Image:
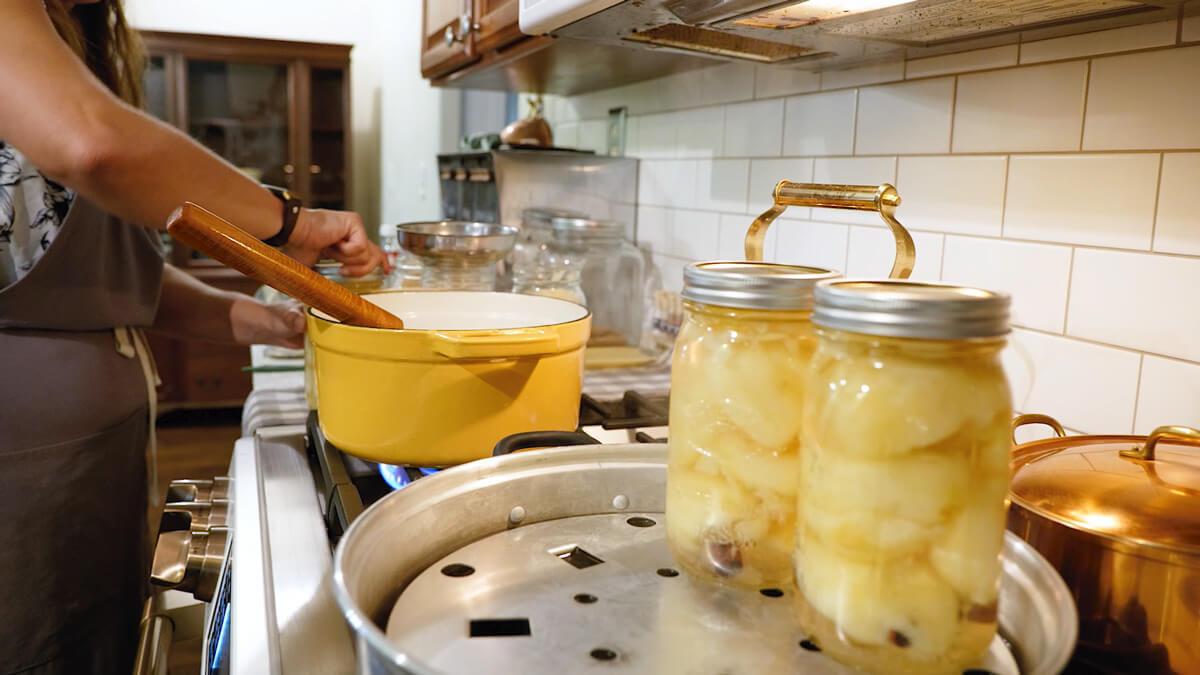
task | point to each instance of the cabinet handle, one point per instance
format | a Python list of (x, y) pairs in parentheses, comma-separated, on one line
[(289, 169), (450, 37), (314, 169)]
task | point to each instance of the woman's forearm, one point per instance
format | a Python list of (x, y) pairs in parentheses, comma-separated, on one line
[(189, 308), (76, 131)]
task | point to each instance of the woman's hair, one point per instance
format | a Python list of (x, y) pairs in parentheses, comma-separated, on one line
[(98, 34)]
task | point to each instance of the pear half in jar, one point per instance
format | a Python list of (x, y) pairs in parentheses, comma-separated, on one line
[(888, 406)]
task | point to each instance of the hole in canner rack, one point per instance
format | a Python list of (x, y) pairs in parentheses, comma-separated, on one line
[(575, 556)]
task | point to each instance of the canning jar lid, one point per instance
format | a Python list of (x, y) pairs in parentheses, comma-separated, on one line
[(753, 285), (588, 227), (540, 216), (1098, 484), (911, 309)]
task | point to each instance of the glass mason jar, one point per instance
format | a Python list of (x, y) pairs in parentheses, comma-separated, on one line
[(534, 238), (900, 507), (615, 277), (737, 387)]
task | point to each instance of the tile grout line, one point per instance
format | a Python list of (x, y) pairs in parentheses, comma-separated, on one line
[(853, 126), (1087, 57), (986, 237), (950, 155), (1087, 86), (1137, 392), (1070, 276), (1162, 160), (1107, 345), (953, 113), (1004, 195)]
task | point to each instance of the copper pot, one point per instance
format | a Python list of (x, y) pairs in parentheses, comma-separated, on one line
[(1119, 518)]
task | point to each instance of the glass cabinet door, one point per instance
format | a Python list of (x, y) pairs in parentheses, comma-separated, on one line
[(154, 87), (327, 170), (240, 111)]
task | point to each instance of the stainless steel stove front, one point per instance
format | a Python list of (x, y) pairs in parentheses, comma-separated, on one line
[(283, 618)]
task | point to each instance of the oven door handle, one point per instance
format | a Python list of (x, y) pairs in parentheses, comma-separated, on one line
[(154, 638)]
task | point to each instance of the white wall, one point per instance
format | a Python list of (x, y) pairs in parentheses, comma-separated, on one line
[(399, 122), (1062, 171)]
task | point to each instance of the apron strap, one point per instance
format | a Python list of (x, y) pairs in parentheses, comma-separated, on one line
[(131, 342)]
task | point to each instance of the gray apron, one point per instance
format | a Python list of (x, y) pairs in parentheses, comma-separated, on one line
[(74, 432)]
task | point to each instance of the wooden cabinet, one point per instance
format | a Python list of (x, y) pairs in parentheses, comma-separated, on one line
[(478, 44), (461, 32), (280, 112)]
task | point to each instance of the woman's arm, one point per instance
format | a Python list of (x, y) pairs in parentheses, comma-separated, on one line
[(191, 309), (140, 169)]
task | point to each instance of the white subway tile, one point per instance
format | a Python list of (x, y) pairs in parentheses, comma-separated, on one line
[(593, 135), (566, 135), (671, 270), (766, 173), (1177, 227), (1147, 100), (869, 74), (952, 194), (1122, 39), (698, 131), (1084, 386), (1169, 394), (1191, 27), (905, 118), (853, 171), (1136, 300), (1102, 200), (772, 81), (804, 242), (727, 83), (978, 59), (693, 235), (873, 250), (667, 183), (1031, 109), (632, 123), (656, 136), (680, 90), (731, 244), (721, 184), (1035, 275), (653, 228), (625, 214), (820, 124), (754, 129)]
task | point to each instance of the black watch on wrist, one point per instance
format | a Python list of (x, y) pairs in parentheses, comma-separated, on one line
[(291, 211)]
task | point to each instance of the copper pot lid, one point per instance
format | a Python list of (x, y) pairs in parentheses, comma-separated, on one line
[(1143, 490)]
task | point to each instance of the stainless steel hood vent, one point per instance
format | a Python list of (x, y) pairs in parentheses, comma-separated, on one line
[(833, 33)]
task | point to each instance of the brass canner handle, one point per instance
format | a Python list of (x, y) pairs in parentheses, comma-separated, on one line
[(1146, 450), (882, 198), (1036, 418)]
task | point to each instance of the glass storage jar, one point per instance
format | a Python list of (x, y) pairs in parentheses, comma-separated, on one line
[(900, 506), (616, 278), (534, 238), (737, 387)]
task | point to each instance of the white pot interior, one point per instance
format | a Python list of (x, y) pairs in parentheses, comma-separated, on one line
[(473, 310)]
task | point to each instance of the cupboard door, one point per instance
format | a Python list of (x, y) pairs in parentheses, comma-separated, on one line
[(498, 24), (447, 44), (328, 166)]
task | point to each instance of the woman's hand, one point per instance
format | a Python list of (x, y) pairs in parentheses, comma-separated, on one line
[(255, 323), (340, 235)]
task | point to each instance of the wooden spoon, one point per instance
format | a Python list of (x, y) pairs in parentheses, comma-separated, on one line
[(218, 238)]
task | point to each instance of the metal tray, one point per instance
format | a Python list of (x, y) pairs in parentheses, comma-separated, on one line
[(555, 561)]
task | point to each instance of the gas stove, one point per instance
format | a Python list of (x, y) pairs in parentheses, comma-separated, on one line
[(294, 494)]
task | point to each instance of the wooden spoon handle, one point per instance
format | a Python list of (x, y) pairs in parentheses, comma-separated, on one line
[(212, 235)]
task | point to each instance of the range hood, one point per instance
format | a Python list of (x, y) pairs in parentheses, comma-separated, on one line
[(821, 33)]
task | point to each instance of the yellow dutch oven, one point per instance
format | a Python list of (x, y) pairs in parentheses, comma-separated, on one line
[(468, 369)]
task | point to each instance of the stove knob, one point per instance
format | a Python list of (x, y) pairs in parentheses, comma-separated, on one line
[(198, 490), (195, 516), (190, 561)]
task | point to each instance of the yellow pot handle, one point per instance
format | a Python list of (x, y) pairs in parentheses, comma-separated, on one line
[(494, 345)]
